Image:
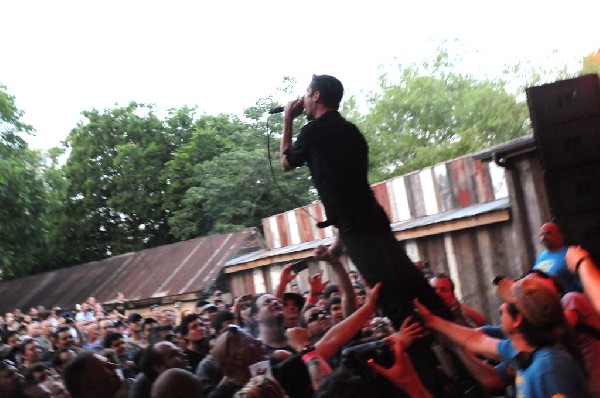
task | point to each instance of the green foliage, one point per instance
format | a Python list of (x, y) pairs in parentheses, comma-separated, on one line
[(134, 180), (431, 113), (28, 193)]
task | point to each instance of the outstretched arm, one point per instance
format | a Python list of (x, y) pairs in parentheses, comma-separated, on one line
[(473, 340), (341, 333)]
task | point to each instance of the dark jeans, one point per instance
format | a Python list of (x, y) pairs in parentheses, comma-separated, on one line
[(379, 257)]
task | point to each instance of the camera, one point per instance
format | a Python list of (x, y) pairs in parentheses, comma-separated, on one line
[(377, 351), (300, 265)]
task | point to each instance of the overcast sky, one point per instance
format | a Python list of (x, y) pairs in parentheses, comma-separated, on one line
[(62, 57)]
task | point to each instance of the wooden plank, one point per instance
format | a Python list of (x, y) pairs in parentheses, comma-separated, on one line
[(304, 221), (461, 182), (282, 228), (276, 241), (483, 182), (293, 227), (472, 222), (444, 187), (416, 195), (450, 226), (381, 195), (401, 205), (499, 181), (430, 200)]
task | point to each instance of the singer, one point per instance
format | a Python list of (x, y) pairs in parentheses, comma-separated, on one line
[(336, 154)]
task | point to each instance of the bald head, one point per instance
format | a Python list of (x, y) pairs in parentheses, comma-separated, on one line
[(176, 383), (551, 236)]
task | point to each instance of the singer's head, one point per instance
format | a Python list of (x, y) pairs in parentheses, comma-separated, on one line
[(324, 93)]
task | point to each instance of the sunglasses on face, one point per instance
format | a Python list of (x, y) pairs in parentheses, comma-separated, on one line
[(315, 316)]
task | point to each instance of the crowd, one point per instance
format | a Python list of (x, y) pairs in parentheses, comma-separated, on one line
[(327, 342)]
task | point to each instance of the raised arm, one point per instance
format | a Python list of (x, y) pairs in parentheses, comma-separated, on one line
[(579, 262), (348, 297), (341, 333), (287, 275)]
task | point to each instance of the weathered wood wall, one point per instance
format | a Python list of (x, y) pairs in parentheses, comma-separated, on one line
[(472, 257)]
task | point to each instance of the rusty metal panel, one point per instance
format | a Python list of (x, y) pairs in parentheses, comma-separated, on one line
[(178, 268), (381, 194), (461, 182), (483, 182), (282, 228), (305, 230), (266, 224)]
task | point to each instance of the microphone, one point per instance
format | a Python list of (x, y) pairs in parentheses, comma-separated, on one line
[(278, 109)]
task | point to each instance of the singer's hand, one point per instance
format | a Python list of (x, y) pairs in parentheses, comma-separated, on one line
[(294, 108)]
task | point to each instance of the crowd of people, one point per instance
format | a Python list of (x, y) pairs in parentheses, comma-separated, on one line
[(385, 331), (327, 342)]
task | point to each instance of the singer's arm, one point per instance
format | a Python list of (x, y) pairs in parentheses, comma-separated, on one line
[(292, 110), (286, 141)]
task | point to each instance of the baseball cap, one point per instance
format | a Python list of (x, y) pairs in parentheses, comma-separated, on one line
[(536, 300), (209, 307)]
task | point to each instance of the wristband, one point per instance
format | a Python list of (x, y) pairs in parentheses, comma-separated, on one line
[(578, 264)]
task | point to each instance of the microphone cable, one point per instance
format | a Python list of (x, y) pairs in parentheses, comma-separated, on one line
[(292, 198)]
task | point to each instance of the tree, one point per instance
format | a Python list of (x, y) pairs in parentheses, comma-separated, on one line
[(116, 194), (432, 113), (24, 194)]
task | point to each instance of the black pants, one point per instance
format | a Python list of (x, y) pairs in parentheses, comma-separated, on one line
[(379, 257)]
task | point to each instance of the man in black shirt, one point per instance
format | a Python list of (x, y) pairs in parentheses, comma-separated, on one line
[(336, 154)]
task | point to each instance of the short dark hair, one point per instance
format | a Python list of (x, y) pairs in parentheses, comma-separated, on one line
[(330, 289), (150, 358), (254, 305), (110, 338), (74, 371), (331, 301), (220, 317), (184, 327), (331, 90)]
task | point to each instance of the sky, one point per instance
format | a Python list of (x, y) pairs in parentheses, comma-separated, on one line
[(59, 58)]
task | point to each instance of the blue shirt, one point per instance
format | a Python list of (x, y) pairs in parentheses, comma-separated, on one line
[(553, 263), (552, 372)]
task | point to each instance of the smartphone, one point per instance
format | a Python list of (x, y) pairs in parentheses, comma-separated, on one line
[(300, 265)]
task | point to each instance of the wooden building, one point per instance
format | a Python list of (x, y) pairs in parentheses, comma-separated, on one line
[(472, 218)]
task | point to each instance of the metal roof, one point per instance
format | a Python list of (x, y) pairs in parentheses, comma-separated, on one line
[(178, 268), (451, 215), (526, 142)]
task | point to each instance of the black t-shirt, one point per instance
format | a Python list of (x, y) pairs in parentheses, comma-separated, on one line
[(225, 390), (293, 376), (193, 358), (337, 155)]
